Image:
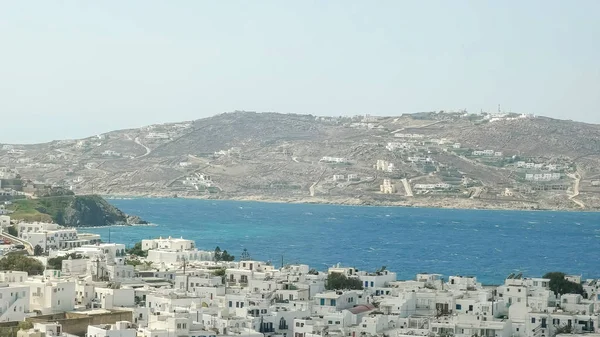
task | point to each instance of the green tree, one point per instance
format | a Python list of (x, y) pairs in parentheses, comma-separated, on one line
[(137, 250), (559, 285), (56, 262), (38, 250), (20, 262), (222, 255), (220, 272), (337, 281), (218, 254), (12, 231), (134, 263), (225, 256)]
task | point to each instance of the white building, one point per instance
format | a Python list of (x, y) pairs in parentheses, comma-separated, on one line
[(387, 187), (111, 153), (168, 243), (543, 176), (119, 329), (157, 135), (14, 301), (50, 294), (174, 251), (4, 221), (327, 159), (431, 187)]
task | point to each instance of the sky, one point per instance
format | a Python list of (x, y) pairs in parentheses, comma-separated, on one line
[(72, 69)]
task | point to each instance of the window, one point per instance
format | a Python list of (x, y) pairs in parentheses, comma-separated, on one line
[(330, 322), (230, 304), (322, 301), (458, 307), (184, 325), (532, 320), (470, 308), (178, 325), (337, 322), (519, 290), (333, 303)]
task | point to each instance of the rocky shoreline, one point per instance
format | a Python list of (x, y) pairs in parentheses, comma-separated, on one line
[(445, 203)]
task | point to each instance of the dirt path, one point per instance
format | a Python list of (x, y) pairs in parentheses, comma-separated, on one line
[(575, 194), (407, 188), (312, 187), (138, 142)]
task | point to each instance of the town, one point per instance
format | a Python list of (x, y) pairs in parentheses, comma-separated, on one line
[(55, 281)]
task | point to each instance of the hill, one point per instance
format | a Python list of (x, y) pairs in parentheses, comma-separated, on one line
[(71, 211), (424, 159)]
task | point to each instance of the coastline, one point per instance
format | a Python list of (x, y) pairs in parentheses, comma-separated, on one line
[(441, 203), (132, 225)]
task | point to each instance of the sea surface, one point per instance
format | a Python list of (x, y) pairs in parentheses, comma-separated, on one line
[(486, 244)]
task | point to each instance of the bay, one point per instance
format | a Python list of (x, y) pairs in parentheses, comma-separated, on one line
[(483, 243)]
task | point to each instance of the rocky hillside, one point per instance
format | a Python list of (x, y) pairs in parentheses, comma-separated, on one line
[(72, 211), (427, 159)]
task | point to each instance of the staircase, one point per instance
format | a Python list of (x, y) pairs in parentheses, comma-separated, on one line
[(537, 332)]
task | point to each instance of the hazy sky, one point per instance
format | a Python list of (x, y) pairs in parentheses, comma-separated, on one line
[(71, 69)]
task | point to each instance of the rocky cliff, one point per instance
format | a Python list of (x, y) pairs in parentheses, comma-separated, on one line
[(73, 211)]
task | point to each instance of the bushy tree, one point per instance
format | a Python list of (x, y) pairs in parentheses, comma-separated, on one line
[(56, 262), (559, 285), (222, 255), (225, 256), (338, 281), (20, 262), (218, 253), (12, 231), (38, 250), (137, 250)]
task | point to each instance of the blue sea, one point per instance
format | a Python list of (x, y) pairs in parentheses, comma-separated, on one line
[(486, 244)]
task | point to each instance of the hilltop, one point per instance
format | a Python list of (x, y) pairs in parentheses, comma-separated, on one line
[(426, 159)]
